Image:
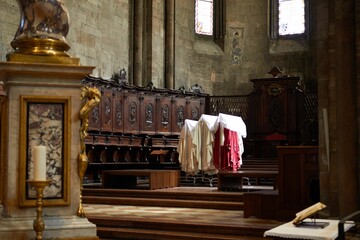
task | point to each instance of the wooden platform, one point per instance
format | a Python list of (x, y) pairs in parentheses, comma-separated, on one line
[(174, 213), (128, 178), (233, 180)]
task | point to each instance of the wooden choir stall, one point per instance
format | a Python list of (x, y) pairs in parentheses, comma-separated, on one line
[(134, 133)]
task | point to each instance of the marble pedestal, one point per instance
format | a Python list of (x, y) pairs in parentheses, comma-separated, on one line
[(44, 80)]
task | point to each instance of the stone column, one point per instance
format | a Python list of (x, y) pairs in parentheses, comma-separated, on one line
[(138, 41), (170, 44), (346, 107)]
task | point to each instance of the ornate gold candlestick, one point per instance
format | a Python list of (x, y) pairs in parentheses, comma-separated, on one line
[(39, 224)]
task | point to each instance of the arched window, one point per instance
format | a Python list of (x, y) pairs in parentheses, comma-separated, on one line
[(204, 13), (209, 20), (289, 18)]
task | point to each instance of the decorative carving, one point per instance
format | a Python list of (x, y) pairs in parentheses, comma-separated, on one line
[(196, 89), (107, 111), (275, 71), (165, 115), (120, 77), (180, 117), (149, 113), (118, 113), (132, 113), (275, 89), (95, 116), (195, 113)]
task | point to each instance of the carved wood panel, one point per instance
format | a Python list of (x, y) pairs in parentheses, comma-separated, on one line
[(107, 110), (147, 113), (194, 108), (131, 113), (178, 114), (163, 115), (277, 102), (118, 112), (94, 118)]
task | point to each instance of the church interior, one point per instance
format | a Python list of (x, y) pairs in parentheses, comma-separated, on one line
[(169, 119)]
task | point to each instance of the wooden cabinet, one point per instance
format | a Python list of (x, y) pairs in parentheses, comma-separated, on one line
[(276, 108), (298, 179)]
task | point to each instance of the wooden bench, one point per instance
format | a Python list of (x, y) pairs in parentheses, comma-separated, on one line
[(129, 178), (233, 180)]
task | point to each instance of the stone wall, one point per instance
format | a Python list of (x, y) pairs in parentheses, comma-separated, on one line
[(100, 35), (99, 32), (248, 53)]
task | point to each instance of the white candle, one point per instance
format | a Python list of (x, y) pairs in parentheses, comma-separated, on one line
[(39, 163)]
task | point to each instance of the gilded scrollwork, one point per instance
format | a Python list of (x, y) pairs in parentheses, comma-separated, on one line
[(90, 97)]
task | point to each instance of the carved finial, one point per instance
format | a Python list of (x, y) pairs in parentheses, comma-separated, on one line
[(275, 71), (196, 89), (120, 77)]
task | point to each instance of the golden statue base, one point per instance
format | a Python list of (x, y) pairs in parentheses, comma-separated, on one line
[(41, 50), (18, 57)]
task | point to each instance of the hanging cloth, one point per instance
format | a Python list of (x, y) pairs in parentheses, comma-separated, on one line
[(228, 145), (189, 142), (207, 130)]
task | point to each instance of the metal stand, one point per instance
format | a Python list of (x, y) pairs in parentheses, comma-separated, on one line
[(39, 224)]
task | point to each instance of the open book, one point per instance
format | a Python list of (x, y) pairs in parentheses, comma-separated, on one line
[(308, 212)]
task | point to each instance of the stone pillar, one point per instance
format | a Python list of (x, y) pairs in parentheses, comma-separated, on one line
[(346, 107), (170, 44), (138, 41), (28, 84), (337, 84)]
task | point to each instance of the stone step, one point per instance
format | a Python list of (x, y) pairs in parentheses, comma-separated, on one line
[(137, 201), (114, 228)]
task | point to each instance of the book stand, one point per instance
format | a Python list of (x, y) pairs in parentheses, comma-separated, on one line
[(312, 224)]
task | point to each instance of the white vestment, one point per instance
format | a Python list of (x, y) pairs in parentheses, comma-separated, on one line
[(207, 128), (189, 143)]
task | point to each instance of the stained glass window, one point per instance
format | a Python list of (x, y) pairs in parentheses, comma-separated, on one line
[(204, 17)]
